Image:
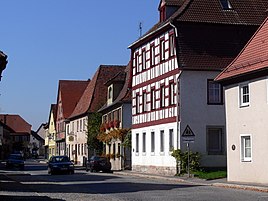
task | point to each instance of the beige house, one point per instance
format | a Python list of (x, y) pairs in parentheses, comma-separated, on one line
[(246, 98), (50, 137)]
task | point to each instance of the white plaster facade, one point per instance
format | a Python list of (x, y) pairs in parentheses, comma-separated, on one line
[(251, 121), (186, 103), (76, 140), (154, 111), (195, 111)]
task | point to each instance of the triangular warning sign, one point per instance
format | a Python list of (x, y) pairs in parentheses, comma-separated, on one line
[(188, 132)]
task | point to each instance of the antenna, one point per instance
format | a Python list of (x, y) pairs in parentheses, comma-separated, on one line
[(140, 28)]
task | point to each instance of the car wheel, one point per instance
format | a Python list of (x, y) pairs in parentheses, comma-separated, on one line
[(50, 171)]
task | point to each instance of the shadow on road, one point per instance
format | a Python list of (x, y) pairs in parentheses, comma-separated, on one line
[(28, 198), (89, 183)]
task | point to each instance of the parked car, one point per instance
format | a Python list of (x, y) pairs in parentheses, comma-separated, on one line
[(15, 160), (97, 163), (60, 164)]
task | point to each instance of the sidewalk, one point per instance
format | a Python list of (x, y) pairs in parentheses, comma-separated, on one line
[(217, 182)]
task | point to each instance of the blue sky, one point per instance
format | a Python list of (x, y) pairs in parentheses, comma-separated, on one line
[(51, 40)]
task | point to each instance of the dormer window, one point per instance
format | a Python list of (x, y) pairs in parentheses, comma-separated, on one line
[(110, 93), (226, 5)]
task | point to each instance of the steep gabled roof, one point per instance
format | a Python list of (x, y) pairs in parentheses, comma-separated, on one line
[(53, 110), (253, 58), (38, 137), (16, 122), (243, 12), (95, 93), (3, 62), (125, 93), (71, 91)]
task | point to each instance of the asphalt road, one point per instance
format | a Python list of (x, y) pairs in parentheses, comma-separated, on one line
[(35, 184)]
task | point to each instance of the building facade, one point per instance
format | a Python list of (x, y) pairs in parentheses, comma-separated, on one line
[(246, 97), (173, 68), (69, 93), (116, 117), (93, 98)]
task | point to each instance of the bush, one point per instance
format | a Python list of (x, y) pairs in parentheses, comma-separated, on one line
[(182, 160)]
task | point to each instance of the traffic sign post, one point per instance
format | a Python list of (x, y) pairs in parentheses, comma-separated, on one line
[(188, 137)]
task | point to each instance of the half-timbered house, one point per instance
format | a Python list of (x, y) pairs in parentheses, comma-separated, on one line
[(92, 99), (173, 67), (116, 117), (69, 93)]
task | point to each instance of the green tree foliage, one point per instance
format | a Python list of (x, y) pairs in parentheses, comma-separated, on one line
[(93, 127), (182, 159), (127, 140)]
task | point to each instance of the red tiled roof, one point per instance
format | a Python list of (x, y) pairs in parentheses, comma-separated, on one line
[(16, 122), (254, 56), (95, 94), (125, 93), (247, 12), (244, 12), (53, 109), (71, 91)]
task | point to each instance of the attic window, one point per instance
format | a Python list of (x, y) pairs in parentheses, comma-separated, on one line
[(226, 5)]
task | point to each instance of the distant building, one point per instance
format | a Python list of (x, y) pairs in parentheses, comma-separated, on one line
[(5, 140), (22, 132), (93, 98), (36, 145), (69, 93), (51, 133), (3, 62)]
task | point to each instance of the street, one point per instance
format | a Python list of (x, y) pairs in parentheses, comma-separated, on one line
[(35, 184)]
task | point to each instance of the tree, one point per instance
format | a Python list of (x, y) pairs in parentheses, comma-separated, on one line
[(93, 127)]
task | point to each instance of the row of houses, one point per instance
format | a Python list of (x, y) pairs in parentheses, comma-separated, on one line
[(169, 86)]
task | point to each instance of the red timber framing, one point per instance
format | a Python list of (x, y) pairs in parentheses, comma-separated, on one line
[(154, 84)]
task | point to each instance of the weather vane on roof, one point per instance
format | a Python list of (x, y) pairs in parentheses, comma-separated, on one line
[(140, 28)]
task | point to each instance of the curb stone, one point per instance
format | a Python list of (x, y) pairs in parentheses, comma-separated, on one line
[(201, 182)]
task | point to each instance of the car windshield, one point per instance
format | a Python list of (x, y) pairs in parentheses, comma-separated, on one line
[(60, 159), (17, 157)]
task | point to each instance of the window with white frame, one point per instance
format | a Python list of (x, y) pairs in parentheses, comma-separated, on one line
[(171, 139), (143, 59), (162, 141), (214, 92), (244, 95), (171, 45), (153, 100), (152, 55), (246, 148), (143, 142), (137, 62), (162, 49), (144, 102), (162, 96), (137, 143), (215, 140), (172, 93), (152, 142), (137, 103)]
